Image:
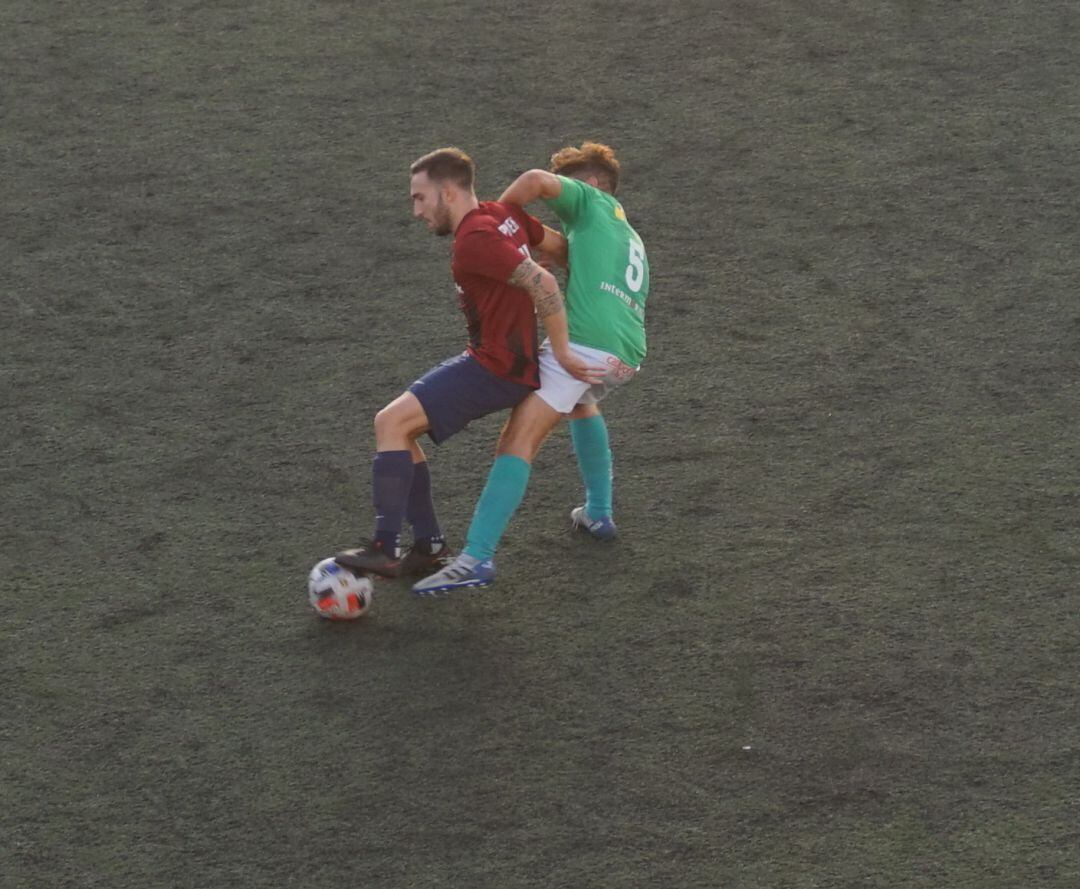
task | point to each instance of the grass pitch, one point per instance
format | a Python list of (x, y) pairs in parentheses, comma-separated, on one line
[(836, 644)]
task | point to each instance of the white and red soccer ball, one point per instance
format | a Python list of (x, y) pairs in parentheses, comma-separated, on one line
[(338, 593)]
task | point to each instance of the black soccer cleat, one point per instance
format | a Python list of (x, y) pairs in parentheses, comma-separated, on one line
[(370, 558), (419, 562)]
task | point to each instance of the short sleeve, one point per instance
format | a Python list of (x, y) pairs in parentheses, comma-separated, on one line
[(534, 228), (570, 203), (485, 252)]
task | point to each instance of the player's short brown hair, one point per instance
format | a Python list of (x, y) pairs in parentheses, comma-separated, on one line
[(593, 158), (447, 165)]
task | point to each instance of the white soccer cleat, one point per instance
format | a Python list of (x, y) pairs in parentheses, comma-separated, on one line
[(464, 571), (602, 528)]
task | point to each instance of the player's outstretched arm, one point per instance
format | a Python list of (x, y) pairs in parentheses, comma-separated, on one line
[(541, 285), (532, 186)]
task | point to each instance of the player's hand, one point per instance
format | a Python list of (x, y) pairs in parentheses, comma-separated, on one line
[(580, 369)]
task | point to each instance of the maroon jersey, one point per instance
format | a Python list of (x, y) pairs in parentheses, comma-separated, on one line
[(489, 245)]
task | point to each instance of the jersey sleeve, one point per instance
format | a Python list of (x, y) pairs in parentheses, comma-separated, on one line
[(534, 228), (485, 252), (570, 203)]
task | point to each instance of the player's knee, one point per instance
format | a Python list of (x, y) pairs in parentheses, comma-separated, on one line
[(519, 443), (386, 421), (581, 411)]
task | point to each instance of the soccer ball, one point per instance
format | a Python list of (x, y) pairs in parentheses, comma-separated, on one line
[(337, 593)]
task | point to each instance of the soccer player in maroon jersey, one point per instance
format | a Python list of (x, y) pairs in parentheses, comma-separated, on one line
[(502, 291)]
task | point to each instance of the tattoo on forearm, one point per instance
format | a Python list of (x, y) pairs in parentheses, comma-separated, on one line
[(547, 300), (530, 278), (521, 273)]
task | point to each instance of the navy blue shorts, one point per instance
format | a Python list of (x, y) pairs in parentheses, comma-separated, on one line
[(461, 390)]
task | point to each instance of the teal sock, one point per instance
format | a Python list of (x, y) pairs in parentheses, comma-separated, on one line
[(506, 484), (591, 444)]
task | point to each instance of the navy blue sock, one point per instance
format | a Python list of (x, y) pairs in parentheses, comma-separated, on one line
[(392, 473), (420, 508)]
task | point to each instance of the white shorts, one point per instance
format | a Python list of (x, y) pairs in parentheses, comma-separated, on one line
[(564, 392)]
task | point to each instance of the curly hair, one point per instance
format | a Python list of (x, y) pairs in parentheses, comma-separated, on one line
[(592, 158)]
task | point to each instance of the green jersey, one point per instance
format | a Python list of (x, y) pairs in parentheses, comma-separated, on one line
[(609, 274)]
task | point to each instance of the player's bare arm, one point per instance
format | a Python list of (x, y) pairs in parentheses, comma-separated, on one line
[(541, 285), (532, 186), (553, 249)]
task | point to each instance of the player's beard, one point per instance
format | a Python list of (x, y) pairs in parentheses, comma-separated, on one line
[(440, 222)]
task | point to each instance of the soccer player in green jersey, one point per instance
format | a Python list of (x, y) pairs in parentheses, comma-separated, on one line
[(605, 306)]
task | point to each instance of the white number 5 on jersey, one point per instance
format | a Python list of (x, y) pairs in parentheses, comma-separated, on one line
[(635, 271)]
